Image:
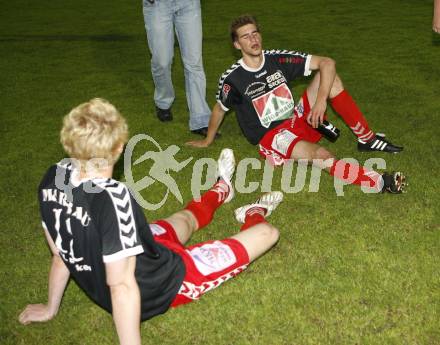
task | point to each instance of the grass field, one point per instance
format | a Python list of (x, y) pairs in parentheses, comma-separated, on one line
[(357, 269)]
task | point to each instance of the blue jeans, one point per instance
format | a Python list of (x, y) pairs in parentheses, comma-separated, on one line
[(162, 18)]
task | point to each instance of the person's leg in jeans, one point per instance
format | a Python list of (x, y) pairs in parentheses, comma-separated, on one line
[(188, 23), (158, 17)]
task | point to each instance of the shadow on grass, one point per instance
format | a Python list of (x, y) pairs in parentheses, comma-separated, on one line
[(71, 38), (435, 39)]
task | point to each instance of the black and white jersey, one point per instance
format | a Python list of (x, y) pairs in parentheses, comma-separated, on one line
[(97, 221), (261, 97)]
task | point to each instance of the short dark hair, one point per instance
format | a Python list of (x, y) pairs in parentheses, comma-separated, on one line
[(238, 22)]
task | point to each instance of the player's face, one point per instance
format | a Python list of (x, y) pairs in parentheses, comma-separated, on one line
[(249, 40)]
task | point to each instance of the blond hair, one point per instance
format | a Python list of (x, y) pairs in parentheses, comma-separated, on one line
[(94, 129)]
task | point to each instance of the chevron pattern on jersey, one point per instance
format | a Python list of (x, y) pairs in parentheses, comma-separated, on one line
[(224, 76), (289, 52), (120, 197), (193, 291)]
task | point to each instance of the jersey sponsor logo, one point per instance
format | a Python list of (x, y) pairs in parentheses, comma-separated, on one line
[(259, 75), (212, 257), (282, 140), (225, 91), (275, 105), (275, 79), (292, 60), (255, 89), (299, 108)]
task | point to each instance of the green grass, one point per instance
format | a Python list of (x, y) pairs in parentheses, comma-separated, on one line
[(358, 269)]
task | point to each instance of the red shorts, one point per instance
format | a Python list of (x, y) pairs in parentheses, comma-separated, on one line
[(208, 264), (278, 143)]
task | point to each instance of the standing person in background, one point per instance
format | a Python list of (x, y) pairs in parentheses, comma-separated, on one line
[(163, 18), (436, 17)]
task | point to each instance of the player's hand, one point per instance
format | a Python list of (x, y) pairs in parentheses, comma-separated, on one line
[(198, 143), (35, 313), (316, 115)]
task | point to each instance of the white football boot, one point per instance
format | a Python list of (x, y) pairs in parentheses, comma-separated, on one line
[(268, 201), (225, 171)]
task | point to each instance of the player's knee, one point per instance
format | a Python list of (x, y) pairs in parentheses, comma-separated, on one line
[(324, 154), (337, 87), (270, 234), (189, 220), (192, 222), (186, 219)]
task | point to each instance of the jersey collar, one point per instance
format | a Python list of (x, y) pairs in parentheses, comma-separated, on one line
[(76, 181), (250, 69)]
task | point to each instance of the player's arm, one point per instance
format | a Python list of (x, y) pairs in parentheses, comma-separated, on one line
[(58, 278), (216, 119), (327, 72), (125, 295)]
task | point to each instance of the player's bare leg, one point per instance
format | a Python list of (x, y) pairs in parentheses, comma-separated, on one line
[(258, 239), (310, 151), (322, 158), (346, 107), (184, 223), (312, 88), (256, 235), (199, 213)]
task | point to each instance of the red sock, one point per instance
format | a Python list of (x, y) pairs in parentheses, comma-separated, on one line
[(209, 202), (254, 216), (346, 107), (356, 174)]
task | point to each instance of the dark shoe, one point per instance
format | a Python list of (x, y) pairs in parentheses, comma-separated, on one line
[(204, 132), (379, 143), (164, 115), (394, 183)]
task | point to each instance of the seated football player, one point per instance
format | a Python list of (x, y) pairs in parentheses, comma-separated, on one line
[(99, 236), (256, 87)]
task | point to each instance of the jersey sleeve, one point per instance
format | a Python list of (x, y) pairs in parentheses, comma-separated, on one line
[(293, 63), (226, 93), (118, 226)]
